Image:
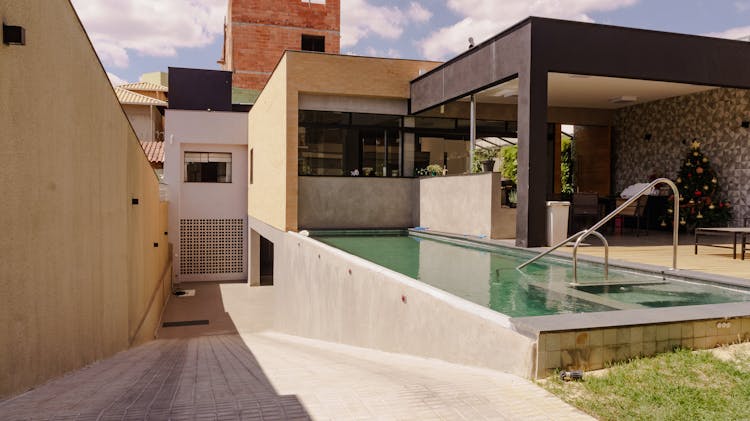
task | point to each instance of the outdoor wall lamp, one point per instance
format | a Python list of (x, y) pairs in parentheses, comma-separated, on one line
[(745, 124), (14, 35)]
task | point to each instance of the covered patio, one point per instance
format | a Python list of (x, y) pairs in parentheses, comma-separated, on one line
[(636, 100)]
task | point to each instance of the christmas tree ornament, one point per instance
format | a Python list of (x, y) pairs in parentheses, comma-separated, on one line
[(699, 216), (705, 160), (692, 202), (714, 180), (696, 154), (663, 224), (699, 170), (682, 222), (705, 187), (698, 193), (696, 145), (670, 211), (712, 206), (679, 180)]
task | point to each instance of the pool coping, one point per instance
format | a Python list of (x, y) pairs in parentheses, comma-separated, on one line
[(532, 326)]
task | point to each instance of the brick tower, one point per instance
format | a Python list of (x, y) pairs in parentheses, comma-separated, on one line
[(257, 33)]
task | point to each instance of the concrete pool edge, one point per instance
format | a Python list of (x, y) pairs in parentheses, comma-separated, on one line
[(328, 294), (566, 341)]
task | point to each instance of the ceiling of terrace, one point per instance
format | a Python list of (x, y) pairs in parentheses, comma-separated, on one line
[(580, 91)]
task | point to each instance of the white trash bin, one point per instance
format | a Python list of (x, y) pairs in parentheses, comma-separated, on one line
[(557, 222)]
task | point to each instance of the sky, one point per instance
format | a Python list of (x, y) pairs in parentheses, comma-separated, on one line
[(137, 36)]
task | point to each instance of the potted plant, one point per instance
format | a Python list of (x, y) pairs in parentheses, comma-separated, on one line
[(488, 165), (513, 198)]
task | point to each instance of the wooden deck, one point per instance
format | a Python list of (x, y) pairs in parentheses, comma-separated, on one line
[(656, 249)]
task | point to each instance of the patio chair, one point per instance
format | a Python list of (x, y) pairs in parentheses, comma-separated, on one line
[(586, 208), (635, 211)]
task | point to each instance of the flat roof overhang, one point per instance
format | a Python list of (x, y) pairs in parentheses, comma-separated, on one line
[(542, 45), (535, 48)]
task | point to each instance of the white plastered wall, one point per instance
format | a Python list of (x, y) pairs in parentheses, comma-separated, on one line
[(205, 131)]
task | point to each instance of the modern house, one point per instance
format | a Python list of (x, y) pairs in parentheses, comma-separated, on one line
[(324, 119)]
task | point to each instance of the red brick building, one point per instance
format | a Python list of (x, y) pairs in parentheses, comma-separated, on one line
[(257, 32)]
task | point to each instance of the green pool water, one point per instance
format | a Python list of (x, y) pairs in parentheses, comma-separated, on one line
[(490, 278)]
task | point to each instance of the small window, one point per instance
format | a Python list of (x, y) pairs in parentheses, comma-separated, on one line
[(208, 167), (313, 43), (252, 166)]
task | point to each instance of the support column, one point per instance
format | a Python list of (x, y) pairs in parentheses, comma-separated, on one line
[(472, 131), (533, 165)]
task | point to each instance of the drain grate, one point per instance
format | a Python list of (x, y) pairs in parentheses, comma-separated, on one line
[(185, 323)]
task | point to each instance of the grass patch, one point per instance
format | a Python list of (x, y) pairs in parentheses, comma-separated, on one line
[(682, 385)]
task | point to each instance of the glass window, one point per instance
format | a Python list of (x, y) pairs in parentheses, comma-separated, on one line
[(208, 167), (349, 144)]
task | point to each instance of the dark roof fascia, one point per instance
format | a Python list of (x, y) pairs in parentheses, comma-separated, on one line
[(481, 45)]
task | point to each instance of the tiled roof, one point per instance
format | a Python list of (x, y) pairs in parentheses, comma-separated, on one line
[(145, 86), (154, 151), (127, 97)]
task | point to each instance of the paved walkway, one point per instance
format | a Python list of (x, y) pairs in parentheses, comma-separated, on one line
[(210, 372)]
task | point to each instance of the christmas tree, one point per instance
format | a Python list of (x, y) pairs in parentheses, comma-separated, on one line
[(700, 205)]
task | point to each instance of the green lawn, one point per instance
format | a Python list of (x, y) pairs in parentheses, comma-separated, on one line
[(683, 385)]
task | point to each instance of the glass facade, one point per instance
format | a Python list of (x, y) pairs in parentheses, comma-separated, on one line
[(376, 145)]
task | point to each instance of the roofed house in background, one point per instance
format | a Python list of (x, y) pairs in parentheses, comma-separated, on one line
[(144, 103)]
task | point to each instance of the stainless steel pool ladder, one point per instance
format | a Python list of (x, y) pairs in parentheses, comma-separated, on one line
[(580, 236)]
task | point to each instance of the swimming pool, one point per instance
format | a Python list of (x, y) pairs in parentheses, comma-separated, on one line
[(488, 276)]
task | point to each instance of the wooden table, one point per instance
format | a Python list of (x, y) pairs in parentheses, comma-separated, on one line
[(741, 233)]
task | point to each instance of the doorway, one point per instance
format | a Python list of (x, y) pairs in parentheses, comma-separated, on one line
[(266, 262)]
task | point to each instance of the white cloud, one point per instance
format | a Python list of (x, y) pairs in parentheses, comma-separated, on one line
[(484, 18), (742, 6), (418, 13), (154, 28), (360, 19), (733, 33), (116, 80), (390, 52)]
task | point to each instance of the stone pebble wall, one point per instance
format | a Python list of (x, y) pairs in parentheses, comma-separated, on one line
[(712, 117)]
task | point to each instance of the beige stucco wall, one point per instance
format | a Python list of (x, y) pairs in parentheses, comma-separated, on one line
[(465, 204), (273, 121), (358, 202), (269, 192), (327, 294), (78, 266)]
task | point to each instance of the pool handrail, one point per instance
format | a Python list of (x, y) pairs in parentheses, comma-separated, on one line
[(606, 255), (550, 250), (580, 236)]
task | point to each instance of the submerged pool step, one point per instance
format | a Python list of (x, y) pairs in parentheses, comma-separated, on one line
[(599, 286)]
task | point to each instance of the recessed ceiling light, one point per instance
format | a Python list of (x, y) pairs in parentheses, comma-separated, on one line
[(624, 99)]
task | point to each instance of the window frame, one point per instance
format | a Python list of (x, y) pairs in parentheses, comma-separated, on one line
[(228, 168)]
